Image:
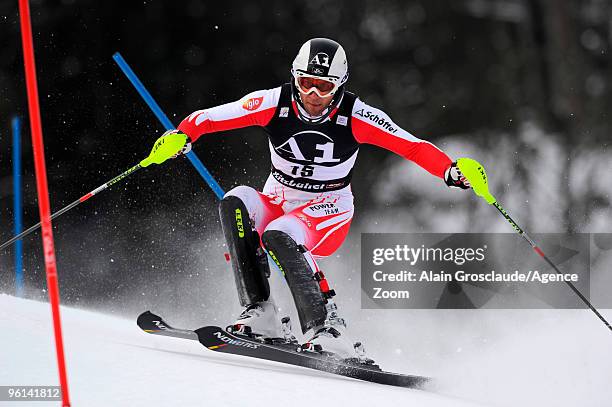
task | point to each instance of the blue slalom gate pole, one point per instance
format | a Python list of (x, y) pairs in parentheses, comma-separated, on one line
[(161, 116), (16, 125)]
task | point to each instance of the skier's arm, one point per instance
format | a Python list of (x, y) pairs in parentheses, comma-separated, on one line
[(373, 126), (254, 109)]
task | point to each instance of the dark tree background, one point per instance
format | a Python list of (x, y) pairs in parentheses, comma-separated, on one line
[(521, 85)]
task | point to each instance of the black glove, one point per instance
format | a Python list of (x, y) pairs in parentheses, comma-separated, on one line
[(454, 178)]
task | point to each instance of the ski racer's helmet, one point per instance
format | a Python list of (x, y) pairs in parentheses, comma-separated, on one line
[(321, 67)]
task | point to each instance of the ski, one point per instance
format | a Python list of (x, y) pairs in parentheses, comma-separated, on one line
[(153, 324), (219, 340)]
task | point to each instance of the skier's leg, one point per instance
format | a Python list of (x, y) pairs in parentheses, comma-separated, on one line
[(315, 228), (289, 257), (244, 211)]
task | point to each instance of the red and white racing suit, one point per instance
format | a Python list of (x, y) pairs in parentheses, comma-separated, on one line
[(308, 193)]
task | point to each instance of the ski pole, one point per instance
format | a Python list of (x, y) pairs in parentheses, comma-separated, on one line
[(163, 119), (477, 176), (165, 147), (161, 116)]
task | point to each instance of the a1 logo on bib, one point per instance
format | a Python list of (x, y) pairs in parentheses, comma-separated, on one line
[(307, 147), (252, 103)]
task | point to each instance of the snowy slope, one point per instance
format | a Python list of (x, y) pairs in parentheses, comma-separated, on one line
[(110, 362)]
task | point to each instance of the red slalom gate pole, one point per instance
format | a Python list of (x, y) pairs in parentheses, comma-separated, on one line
[(43, 191)]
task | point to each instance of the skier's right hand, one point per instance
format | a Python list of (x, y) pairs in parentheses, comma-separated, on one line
[(454, 178), (186, 148)]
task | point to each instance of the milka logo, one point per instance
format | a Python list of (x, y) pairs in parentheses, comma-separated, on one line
[(160, 325), (235, 342), (239, 223), (381, 121)]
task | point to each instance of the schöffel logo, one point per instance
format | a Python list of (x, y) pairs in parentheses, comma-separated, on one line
[(235, 342), (381, 121), (239, 223), (252, 103)]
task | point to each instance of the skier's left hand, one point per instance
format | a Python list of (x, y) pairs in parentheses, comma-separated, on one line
[(454, 178)]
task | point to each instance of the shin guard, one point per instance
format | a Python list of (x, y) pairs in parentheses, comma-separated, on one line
[(249, 261), (289, 257)]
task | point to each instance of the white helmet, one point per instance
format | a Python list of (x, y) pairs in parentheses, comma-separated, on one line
[(320, 58)]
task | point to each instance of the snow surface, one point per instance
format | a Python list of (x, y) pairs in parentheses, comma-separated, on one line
[(112, 363), (496, 357)]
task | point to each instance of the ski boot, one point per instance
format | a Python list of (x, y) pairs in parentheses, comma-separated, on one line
[(257, 321), (331, 340), (288, 336), (361, 358)]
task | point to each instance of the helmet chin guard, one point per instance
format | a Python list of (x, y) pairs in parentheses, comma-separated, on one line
[(325, 59)]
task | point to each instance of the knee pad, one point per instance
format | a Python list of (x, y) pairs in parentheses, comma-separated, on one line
[(289, 257), (249, 261)]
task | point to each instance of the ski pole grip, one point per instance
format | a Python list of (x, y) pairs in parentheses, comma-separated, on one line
[(164, 148), (477, 176)]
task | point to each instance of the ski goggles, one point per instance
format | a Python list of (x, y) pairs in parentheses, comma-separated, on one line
[(321, 87)]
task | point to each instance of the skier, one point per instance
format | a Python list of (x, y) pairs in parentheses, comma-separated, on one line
[(315, 127)]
